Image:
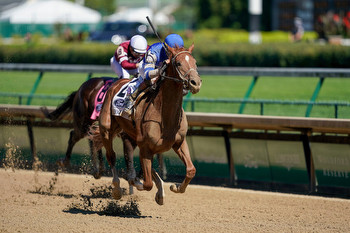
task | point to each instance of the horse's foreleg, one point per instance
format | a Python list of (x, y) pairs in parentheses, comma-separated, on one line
[(184, 154), (116, 191), (146, 164), (159, 183), (129, 147), (107, 140)]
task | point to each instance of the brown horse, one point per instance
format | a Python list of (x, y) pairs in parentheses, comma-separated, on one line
[(81, 104), (159, 122)]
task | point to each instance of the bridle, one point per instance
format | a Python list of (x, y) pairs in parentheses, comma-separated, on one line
[(183, 77)]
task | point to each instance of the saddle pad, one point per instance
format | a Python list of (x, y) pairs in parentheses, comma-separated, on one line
[(100, 97), (118, 103)]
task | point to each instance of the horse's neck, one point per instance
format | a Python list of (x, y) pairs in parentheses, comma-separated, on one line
[(171, 106)]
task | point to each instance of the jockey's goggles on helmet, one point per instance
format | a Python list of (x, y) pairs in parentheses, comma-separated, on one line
[(135, 53)]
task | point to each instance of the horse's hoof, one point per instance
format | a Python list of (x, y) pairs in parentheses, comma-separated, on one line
[(159, 199), (176, 188), (137, 183), (173, 188), (117, 193), (97, 175)]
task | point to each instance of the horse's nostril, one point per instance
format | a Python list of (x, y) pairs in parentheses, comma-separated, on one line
[(193, 83)]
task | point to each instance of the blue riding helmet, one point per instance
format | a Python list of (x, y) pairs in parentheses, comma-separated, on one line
[(174, 40)]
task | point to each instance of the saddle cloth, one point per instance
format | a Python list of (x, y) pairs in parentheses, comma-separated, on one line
[(100, 97), (119, 102)]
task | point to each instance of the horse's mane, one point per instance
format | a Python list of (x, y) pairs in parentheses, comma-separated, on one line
[(177, 49)]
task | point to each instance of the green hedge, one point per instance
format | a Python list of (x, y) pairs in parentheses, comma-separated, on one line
[(70, 53), (274, 55), (207, 54)]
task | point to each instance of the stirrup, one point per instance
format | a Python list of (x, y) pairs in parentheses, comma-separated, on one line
[(128, 111), (129, 107)]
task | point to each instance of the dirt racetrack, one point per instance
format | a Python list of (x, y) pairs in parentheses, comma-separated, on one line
[(42, 202)]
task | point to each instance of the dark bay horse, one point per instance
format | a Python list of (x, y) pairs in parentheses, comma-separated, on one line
[(81, 104), (159, 124)]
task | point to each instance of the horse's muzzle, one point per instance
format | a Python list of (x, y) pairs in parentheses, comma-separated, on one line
[(195, 83)]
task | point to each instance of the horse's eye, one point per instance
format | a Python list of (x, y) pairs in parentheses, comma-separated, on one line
[(178, 64)]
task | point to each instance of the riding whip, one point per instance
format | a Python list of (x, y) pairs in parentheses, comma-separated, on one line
[(155, 32)]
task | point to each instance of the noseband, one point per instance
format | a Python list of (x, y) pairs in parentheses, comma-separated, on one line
[(183, 77)]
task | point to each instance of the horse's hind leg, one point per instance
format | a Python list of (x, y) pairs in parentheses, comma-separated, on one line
[(184, 154), (111, 158), (129, 146), (73, 138), (107, 140), (97, 161)]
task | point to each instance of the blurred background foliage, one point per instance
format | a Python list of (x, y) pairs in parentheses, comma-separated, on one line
[(219, 29), (210, 50)]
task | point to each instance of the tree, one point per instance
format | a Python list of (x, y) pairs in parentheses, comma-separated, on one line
[(222, 13)]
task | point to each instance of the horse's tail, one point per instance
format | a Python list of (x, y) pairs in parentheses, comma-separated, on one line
[(61, 110)]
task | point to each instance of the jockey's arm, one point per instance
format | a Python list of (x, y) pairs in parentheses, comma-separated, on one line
[(149, 68), (121, 55), (128, 65)]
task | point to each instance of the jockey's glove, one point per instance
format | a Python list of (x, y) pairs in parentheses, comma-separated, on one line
[(153, 73), (157, 72)]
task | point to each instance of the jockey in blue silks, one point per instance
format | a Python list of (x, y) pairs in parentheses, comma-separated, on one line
[(149, 69)]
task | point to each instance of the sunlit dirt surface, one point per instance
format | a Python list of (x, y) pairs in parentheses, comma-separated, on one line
[(44, 202)]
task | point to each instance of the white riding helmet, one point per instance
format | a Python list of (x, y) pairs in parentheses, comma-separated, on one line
[(139, 44)]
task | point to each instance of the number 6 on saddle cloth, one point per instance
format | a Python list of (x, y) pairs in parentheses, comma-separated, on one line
[(100, 97)]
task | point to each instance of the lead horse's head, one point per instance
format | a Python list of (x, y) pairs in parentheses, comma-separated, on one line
[(185, 68)]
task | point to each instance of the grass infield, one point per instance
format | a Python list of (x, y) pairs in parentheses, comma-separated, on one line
[(214, 87)]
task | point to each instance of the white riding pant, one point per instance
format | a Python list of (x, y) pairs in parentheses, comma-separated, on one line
[(120, 71)]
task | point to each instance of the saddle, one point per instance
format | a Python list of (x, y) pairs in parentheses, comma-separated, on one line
[(145, 88)]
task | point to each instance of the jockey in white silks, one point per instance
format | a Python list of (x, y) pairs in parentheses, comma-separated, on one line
[(149, 69), (129, 54)]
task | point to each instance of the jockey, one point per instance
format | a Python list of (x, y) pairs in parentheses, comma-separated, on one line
[(150, 67), (125, 61)]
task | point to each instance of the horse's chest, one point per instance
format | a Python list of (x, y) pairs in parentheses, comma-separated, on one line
[(157, 136)]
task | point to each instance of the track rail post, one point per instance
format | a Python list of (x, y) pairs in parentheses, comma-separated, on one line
[(309, 161), (231, 166), (35, 159)]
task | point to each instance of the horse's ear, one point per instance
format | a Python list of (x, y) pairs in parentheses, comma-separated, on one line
[(190, 49)]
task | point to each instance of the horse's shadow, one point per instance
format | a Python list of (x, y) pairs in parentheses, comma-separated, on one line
[(46, 193), (113, 208), (89, 212), (86, 206)]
